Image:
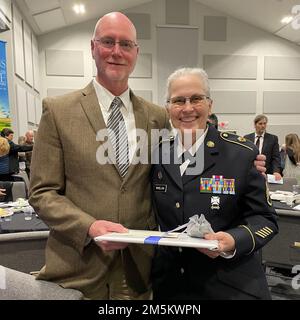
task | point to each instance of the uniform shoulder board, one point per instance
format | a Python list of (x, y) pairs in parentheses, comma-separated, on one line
[(233, 138)]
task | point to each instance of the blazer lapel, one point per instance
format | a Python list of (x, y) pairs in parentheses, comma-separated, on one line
[(140, 113), (91, 108), (141, 123)]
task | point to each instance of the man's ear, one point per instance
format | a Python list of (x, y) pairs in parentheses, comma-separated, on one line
[(168, 110)]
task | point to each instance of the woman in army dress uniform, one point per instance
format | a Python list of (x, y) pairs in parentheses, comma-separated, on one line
[(218, 179)]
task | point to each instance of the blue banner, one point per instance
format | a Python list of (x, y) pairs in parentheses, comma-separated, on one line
[(5, 120)]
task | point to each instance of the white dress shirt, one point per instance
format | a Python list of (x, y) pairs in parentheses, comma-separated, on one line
[(105, 99), (261, 142)]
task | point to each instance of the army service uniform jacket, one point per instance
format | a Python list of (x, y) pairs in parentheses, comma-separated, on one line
[(232, 195)]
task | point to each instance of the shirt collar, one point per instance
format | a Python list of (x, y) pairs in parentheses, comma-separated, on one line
[(259, 135), (106, 97), (194, 148)]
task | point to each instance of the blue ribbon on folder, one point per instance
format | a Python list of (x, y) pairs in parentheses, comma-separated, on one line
[(152, 240)]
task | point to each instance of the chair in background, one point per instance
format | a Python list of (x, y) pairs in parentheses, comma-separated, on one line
[(19, 190), (22, 176), (14, 190), (15, 285)]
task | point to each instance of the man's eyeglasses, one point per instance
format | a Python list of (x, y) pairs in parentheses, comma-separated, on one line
[(194, 100), (109, 43)]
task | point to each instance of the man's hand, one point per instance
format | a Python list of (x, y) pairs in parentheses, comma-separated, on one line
[(226, 244), (100, 227), (260, 164), (2, 192)]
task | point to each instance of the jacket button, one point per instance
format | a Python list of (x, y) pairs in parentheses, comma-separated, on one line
[(177, 205), (180, 249), (182, 271)]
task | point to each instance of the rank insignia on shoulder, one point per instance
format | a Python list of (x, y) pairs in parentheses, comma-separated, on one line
[(210, 144), (233, 138)]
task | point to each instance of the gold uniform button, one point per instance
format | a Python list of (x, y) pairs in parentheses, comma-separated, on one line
[(177, 205)]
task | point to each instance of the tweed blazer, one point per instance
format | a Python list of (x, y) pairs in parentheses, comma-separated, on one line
[(70, 190)]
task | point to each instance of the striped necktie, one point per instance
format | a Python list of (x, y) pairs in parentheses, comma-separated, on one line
[(118, 136)]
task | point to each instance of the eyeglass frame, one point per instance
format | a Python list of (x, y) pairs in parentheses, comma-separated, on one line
[(114, 42), (188, 99)]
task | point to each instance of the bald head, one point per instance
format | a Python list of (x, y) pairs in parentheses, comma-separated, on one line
[(114, 60), (114, 18), (29, 136)]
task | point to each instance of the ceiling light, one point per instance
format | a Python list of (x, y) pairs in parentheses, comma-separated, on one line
[(79, 8), (287, 19)]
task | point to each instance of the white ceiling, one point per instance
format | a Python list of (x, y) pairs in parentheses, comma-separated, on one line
[(48, 15)]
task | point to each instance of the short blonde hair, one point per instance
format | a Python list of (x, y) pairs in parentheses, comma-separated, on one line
[(4, 147)]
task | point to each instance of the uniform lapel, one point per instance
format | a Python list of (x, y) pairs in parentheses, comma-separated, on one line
[(91, 108), (210, 148)]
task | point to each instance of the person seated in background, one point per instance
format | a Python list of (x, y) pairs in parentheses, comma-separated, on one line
[(291, 156), (213, 119), (267, 144), (13, 161)]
